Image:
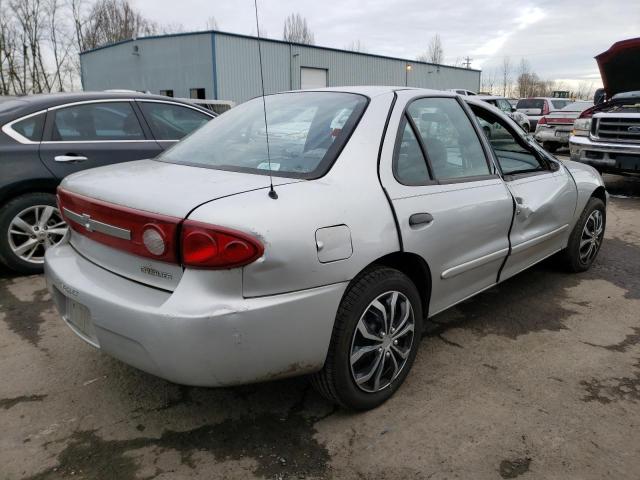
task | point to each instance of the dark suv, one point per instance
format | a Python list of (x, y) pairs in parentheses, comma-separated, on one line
[(43, 138)]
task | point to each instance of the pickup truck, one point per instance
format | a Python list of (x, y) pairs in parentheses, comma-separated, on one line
[(607, 136)]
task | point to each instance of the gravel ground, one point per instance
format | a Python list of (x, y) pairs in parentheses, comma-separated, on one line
[(536, 378)]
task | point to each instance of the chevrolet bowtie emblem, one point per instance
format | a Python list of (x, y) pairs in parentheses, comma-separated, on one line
[(86, 220)]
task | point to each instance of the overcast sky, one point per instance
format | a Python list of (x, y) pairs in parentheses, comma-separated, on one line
[(559, 38)]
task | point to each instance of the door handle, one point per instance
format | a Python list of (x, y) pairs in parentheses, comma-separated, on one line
[(418, 219), (69, 158)]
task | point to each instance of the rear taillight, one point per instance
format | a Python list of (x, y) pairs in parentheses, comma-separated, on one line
[(588, 113), (210, 246), (156, 236), (135, 231), (542, 121), (545, 108)]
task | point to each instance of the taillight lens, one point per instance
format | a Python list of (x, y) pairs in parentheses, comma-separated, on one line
[(542, 121), (545, 108), (134, 231), (210, 246)]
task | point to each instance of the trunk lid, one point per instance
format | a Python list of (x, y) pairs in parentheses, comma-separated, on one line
[(620, 68), (108, 198)]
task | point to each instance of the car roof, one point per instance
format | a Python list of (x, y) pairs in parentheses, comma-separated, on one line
[(24, 105), (490, 97), (375, 90)]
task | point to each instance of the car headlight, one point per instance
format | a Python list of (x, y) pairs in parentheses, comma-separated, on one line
[(581, 127)]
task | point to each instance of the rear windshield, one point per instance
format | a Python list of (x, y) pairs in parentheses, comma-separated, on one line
[(558, 104), (306, 132), (530, 103)]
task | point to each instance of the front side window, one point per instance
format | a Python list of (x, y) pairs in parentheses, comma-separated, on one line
[(31, 127), (513, 156), (306, 132), (172, 122), (95, 122), (452, 144)]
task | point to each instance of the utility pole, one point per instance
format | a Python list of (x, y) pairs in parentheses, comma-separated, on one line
[(467, 61)]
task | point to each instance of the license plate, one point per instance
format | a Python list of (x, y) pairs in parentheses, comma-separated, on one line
[(562, 134), (79, 317)]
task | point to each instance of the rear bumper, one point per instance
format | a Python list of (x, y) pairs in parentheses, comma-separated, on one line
[(606, 157), (195, 336), (548, 135)]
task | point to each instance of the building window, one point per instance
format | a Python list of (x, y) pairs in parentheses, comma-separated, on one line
[(166, 93), (197, 93)]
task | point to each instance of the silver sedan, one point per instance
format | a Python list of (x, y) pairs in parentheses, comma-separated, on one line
[(388, 205)]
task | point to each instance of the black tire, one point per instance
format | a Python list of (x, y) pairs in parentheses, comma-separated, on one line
[(7, 214), (335, 381), (550, 147), (570, 256)]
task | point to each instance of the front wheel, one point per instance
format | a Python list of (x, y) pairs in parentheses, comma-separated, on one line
[(29, 224), (586, 238), (374, 342)]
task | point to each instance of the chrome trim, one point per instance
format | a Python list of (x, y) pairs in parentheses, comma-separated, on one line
[(588, 143), (537, 240), (96, 226), (85, 102), (153, 100), (47, 142), (6, 128), (478, 262)]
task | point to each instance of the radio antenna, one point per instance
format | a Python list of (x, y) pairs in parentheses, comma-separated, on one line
[(272, 192)]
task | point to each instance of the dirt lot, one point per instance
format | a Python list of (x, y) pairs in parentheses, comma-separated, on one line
[(536, 378)]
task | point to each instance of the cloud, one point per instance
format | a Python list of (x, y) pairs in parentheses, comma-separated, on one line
[(558, 38)]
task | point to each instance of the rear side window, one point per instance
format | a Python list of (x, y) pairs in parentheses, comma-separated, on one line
[(172, 122), (452, 144), (410, 164), (31, 127), (306, 131), (95, 122)]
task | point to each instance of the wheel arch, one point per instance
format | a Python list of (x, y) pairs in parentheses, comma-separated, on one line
[(600, 193), (37, 185), (414, 267)]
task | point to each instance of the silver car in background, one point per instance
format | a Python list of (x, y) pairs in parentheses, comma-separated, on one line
[(388, 206), (553, 130)]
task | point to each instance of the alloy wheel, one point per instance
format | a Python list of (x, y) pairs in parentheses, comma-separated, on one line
[(35, 229), (382, 341), (591, 237)]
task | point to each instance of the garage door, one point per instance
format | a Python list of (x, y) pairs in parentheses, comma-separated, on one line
[(313, 78)]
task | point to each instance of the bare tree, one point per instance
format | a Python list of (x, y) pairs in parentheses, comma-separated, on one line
[(111, 21), (296, 30), (506, 75), (434, 53), (356, 46)]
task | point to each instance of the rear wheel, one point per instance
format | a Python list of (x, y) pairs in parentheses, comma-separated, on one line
[(586, 238), (374, 341), (29, 224)]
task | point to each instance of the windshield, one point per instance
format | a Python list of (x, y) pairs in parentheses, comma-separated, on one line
[(307, 130)]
